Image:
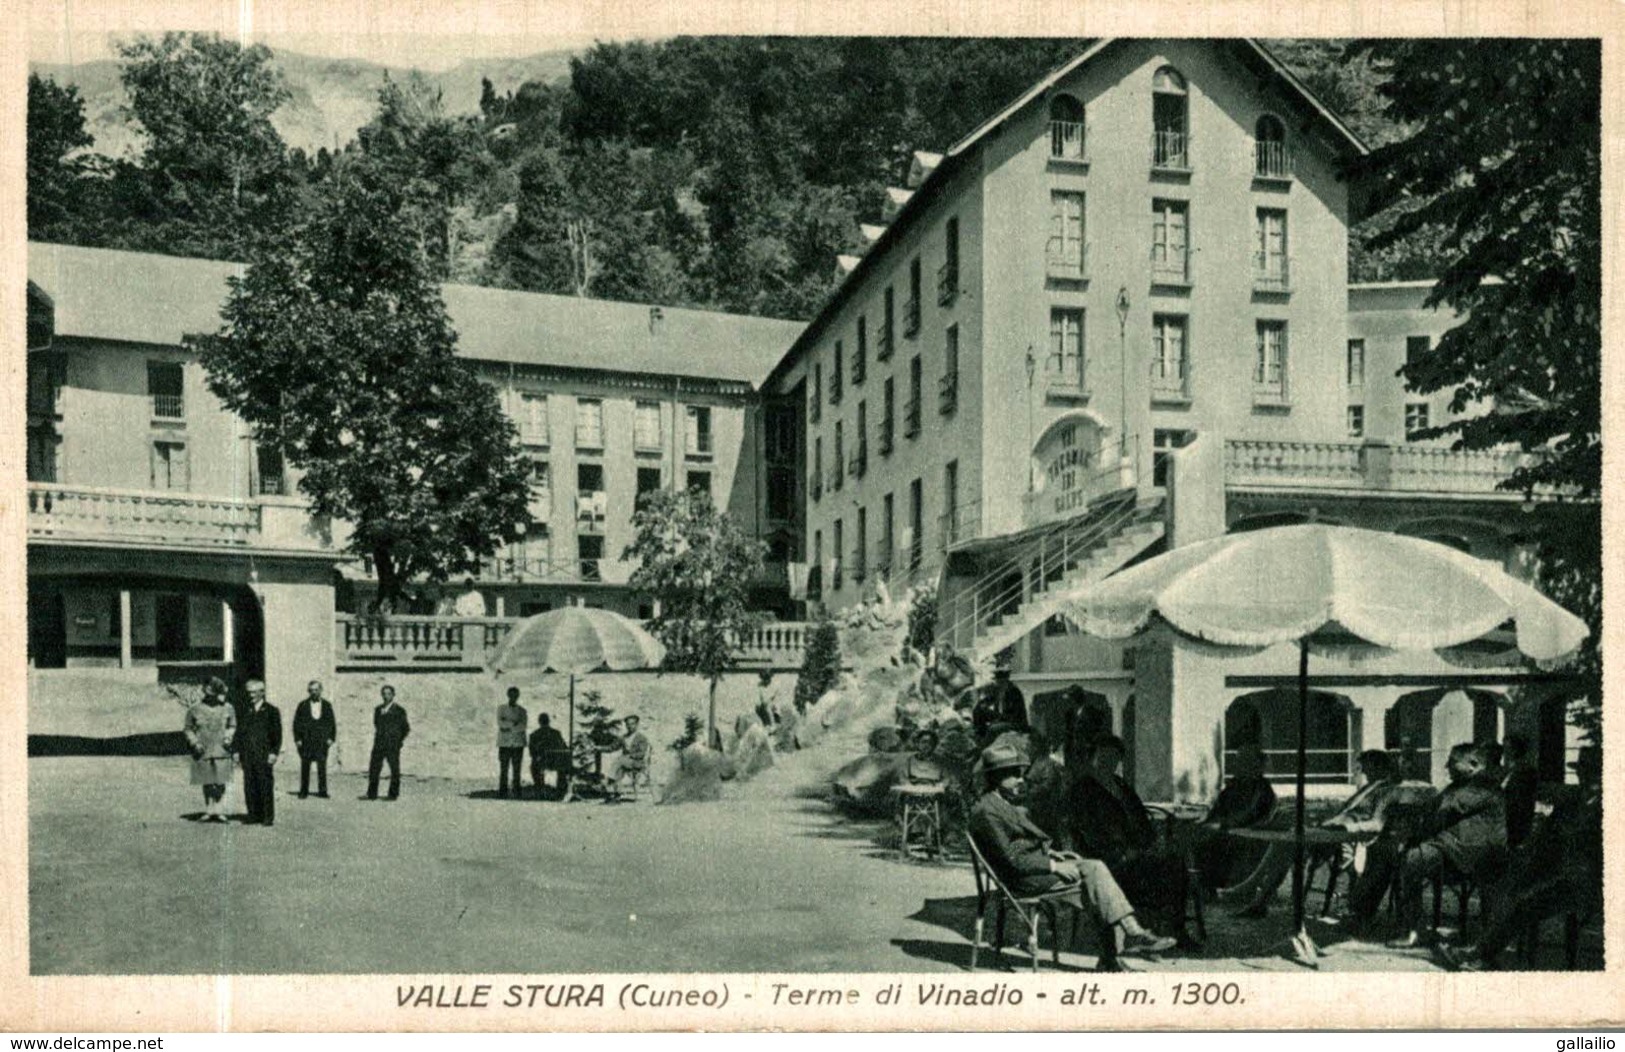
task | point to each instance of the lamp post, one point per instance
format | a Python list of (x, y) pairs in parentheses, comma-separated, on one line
[(1122, 345), (1032, 369)]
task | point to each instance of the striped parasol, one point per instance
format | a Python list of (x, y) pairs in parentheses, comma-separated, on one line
[(576, 640)]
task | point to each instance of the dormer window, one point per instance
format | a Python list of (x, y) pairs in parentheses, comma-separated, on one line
[(1272, 159), (1170, 139), (1066, 128)]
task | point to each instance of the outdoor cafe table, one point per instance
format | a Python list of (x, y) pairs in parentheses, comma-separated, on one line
[(1303, 950)]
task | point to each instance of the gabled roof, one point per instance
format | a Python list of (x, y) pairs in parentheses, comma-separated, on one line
[(902, 206), (137, 297)]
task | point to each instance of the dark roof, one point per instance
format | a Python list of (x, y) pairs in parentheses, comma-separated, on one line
[(138, 297), (1253, 53)]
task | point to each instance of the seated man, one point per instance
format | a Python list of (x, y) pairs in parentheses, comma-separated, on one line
[(1465, 830), (1558, 870), (633, 759), (1001, 707), (1519, 786), (1247, 800), (548, 752), (1363, 813), (1109, 823), (1021, 856)]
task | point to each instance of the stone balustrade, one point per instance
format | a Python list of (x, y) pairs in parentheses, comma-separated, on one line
[(1368, 466), (80, 512)]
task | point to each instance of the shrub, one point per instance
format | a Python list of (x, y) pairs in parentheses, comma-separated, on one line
[(922, 618), (820, 665), (693, 727)]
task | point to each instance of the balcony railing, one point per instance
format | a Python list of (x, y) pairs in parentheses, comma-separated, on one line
[(911, 417), (1068, 266), (1066, 140), (591, 569), (911, 317), (1271, 273), (1168, 268), (1372, 466), (947, 283), (1170, 149), (1272, 160), (592, 509), (837, 476), (1170, 381), (860, 568), (885, 343), (514, 569), (589, 437), (888, 440), (948, 393), (57, 511), (168, 407), (858, 462), (816, 485)]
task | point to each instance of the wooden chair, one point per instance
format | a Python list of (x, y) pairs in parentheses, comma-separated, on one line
[(1031, 909), (919, 808), (1167, 822)]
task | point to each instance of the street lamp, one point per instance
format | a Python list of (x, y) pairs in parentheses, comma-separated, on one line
[(1122, 344), (1032, 369)]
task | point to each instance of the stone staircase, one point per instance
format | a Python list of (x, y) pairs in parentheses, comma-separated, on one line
[(1024, 589)]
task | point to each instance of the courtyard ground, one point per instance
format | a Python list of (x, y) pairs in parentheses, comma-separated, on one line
[(451, 879)]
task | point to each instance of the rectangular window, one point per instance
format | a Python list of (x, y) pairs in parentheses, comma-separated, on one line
[(1065, 253), (779, 441), (860, 549), (860, 444), (1065, 362), (1416, 417), (1416, 348), (170, 467), (268, 466), (815, 576), (646, 425), (1170, 144), (860, 353), (1356, 363), (541, 490), (815, 404), (1270, 362), (590, 478), (533, 419), (818, 467), (1170, 241), (888, 415), (1270, 250), (589, 424), (911, 309), (948, 390), (699, 482), (839, 550), (948, 275), (835, 366), (887, 548), (590, 550), (916, 512), (950, 501), (1163, 444), (649, 481), (888, 327), (837, 470), (165, 389), (1170, 363), (697, 440), (1356, 421), (911, 411)]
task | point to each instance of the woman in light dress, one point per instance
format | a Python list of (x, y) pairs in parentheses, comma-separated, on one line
[(211, 725)]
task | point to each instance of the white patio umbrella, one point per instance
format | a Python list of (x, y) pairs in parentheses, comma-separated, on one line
[(576, 640), (1288, 584)]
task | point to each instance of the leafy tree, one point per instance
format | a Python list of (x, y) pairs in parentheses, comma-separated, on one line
[(215, 166), (820, 664), (56, 175), (1504, 158), (336, 348), (698, 564)]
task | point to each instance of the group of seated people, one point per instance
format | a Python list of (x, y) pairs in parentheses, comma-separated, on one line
[(1094, 834)]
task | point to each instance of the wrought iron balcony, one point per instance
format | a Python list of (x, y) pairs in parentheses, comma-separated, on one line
[(1066, 140), (948, 393)]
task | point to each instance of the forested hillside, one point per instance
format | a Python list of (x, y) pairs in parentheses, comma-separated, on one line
[(712, 172)]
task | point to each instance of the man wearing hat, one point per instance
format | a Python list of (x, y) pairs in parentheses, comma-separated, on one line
[(258, 744), (1022, 857), (1002, 707)]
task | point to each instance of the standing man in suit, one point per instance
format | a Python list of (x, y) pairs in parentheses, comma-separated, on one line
[(1111, 824), (389, 730), (259, 744), (1520, 786), (1002, 706), (315, 729), (512, 719)]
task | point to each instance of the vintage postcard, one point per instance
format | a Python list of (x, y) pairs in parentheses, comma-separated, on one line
[(549, 516)]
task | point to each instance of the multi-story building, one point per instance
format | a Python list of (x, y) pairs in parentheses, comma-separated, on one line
[(160, 535), (1115, 318)]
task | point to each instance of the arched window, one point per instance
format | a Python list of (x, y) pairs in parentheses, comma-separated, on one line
[(1270, 155), (1170, 140), (1066, 128)]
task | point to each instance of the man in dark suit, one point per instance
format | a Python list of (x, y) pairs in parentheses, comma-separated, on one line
[(1022, 857), (389, 730), (258, 744), (1110, 823), (1520, 786), (548, 752), (1247, 800), (1464, 831), (315, 729), (1001, 707)]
